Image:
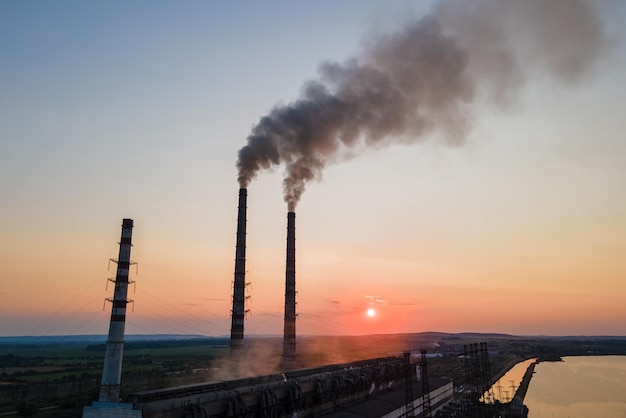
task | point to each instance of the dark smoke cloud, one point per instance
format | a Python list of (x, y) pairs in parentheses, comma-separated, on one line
[(423, 79)]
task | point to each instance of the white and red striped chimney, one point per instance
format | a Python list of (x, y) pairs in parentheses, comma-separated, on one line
[(112, 370)]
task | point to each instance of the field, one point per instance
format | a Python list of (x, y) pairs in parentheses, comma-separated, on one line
[(67, 376)]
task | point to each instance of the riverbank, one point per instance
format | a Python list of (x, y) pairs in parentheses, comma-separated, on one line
[(520, 393)]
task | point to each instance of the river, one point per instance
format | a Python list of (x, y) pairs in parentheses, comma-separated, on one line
[(578, 387)]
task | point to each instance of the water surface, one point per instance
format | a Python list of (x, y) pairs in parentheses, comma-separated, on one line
[(504, 389), (578, 387)]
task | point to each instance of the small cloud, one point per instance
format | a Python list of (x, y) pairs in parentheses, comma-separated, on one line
[(376, 300)]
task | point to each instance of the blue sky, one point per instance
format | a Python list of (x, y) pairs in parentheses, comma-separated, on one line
[(116, 109)]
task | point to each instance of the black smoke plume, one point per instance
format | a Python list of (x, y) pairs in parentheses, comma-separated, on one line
[(423, 78)]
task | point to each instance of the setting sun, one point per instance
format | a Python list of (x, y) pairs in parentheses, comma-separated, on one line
[(371, 312)]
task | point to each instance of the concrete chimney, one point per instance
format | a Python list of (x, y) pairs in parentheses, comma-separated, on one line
[(289, 336), (239, 284), (112, 370)]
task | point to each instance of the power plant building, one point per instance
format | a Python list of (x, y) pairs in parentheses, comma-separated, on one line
[(370, 388)]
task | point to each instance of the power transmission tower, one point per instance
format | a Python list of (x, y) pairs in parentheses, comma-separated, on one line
[(408, 386), (427, 411)]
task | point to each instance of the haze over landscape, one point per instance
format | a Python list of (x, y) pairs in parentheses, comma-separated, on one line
[(502, 210)]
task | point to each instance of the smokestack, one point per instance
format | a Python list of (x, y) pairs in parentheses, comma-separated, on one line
[(289, 336), (112, 371), (239, 285)]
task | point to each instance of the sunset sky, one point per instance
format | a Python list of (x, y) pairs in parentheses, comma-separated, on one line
[(114, 109)]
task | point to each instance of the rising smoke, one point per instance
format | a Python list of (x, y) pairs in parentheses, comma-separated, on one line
[(422, 79)]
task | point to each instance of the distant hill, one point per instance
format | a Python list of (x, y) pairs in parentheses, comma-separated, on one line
[(418, 336), (96, 339)]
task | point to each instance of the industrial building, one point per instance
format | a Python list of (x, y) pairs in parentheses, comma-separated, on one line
[(369, 388)]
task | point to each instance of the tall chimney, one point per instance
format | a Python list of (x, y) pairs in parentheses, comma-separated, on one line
[(112, 370), (289, 336), (239, 285)]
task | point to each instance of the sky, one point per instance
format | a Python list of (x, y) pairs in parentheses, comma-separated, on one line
[(112, 110)]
